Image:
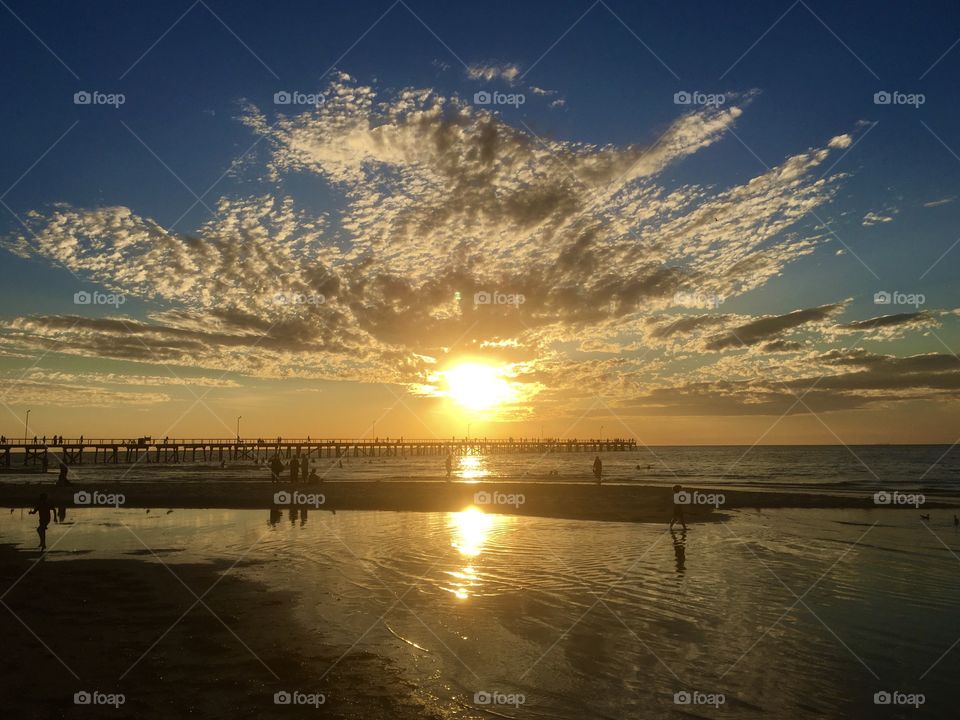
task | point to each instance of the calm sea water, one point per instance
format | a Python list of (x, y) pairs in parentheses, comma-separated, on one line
[(786, 614), (934, 468)]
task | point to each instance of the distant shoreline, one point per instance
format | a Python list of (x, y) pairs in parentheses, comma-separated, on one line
[(569, 500)]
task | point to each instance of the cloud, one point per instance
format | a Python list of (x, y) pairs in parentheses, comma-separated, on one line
[(941, 201), (67, 394), (493, 71), (441, 201), (840, 142), (771, 327), (872, 218), (886, 321)]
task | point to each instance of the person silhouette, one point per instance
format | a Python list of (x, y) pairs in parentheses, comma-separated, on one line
[(305, 469), (276, 467), (598, 469), (294, 468), (678, 507), (42, 510), (680, 549), (62, 479), (448, 464)]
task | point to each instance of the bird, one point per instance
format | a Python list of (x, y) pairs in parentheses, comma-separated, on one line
[(925, 517)]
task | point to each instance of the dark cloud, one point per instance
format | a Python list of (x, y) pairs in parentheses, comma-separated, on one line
[(770, 327)]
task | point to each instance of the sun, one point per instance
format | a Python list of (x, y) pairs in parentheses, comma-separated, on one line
[(477, 387)]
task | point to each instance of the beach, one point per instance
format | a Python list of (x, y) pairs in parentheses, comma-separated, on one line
[(601, 619), (102, 626)]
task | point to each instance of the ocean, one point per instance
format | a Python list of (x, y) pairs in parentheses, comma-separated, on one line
[(932, 469)]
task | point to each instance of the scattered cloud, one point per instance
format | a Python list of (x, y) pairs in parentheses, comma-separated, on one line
[(507, 72), (872, 218), (445, 203)]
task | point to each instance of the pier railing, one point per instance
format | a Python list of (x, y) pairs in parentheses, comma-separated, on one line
[(75, 451)]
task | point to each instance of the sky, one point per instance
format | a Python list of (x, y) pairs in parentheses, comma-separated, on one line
[(687, 223)]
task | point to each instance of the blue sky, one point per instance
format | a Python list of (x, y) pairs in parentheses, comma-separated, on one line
[(190, 73)]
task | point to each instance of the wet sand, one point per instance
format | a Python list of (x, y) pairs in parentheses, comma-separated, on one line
[(576, 501), (99, 616)]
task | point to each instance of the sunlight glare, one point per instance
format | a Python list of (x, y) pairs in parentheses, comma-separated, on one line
[(478, 387)]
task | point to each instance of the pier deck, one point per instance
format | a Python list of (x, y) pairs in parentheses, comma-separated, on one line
[(170, 450)]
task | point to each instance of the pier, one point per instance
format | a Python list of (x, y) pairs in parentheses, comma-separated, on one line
[(113, 451)]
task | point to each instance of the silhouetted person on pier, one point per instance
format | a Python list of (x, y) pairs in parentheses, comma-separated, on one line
[(276, 467), (42, 510), (677, 508), (448, 463), (294, 469), (598, 469)]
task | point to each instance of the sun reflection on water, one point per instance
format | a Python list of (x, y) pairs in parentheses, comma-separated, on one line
[(472, 467), (470, 529)]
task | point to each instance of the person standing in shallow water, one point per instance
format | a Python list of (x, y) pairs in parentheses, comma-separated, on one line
[(678, 496), (276, 467), (42, 510), (294, 468), (448, 464), (598, 469)]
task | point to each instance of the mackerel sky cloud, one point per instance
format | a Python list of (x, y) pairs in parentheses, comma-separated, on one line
[(352, 241)]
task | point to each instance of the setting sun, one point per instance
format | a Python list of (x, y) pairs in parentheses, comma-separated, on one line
[(477, 387)]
